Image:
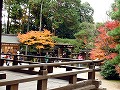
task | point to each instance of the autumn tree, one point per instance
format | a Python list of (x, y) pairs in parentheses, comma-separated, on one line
[(38, 39), (110, 69), (104, 44)]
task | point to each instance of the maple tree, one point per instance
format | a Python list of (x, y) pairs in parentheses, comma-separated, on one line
[(40, 39), (111, 68), (105, 44)]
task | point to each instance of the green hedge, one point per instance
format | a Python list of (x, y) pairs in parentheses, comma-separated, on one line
[(108, 71)]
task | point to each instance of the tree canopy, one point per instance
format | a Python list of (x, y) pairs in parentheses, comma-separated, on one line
[(61, 17), (41, 40)]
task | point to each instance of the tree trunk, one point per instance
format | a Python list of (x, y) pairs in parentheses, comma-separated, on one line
[(41, 6), (28, 26), (8, 28)]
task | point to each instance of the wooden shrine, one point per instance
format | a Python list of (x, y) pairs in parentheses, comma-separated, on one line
[(9, 42)]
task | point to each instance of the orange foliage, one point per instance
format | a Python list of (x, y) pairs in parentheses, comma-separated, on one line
[(37, 38), (97, 53), (103, 42), (117, 68), (111, 25), (111, 55)]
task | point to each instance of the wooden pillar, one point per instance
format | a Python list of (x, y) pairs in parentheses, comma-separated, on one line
[(2, 75), (1, 4), (15, 62), (91, 75), (50, 69), (31, 69), (60, 52), (71, 56), (12, 87), (42, 84), (2, 62), (73, 79)]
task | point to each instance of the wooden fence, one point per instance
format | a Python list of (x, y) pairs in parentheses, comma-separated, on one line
[(46, 72)]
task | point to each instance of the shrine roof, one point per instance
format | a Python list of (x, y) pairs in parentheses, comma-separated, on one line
[(9, 39)]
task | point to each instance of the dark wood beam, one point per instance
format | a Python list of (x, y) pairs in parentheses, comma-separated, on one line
[(2, 76), (1, 1), (1, 4)]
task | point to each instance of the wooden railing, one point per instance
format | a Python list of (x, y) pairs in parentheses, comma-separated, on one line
[(42, 75), (51, 60), (28, 59)]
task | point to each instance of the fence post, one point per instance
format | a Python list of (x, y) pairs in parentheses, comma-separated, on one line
[(42, 84), (91, 75), (73, 79), (50, 68), (2, 62), (31, 69), (15, 62), (12, 87)]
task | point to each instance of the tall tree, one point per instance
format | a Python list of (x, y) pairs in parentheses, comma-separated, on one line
[(15, 10), (86, 13), (86, 35), (71, 22), (48, 14)]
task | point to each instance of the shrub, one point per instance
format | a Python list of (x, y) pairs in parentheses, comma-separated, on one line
[(108, 71)]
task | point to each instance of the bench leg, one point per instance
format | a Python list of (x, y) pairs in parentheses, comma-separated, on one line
[(42, 84)]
